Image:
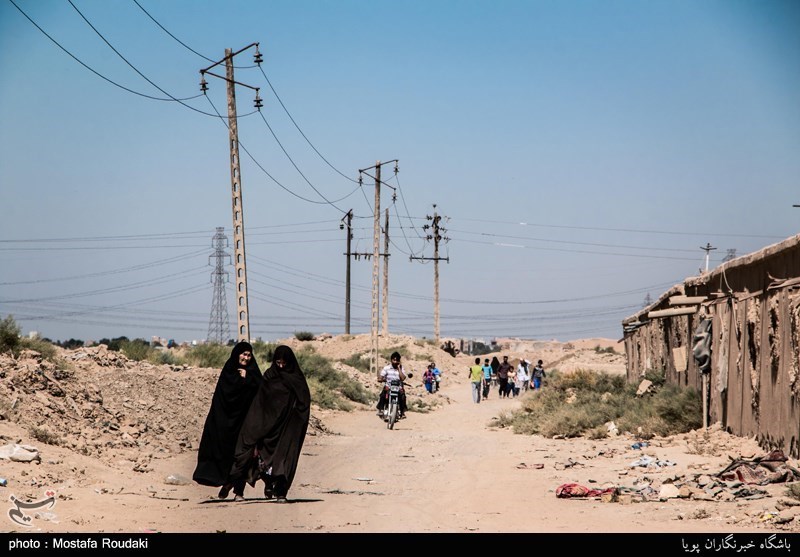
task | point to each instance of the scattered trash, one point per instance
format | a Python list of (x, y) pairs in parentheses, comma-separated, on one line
[(19, 453), (568, 464), (649, 461), (524, 466), (566, 491), (770, 468), (177, 479), (640, 445), (3, 482)]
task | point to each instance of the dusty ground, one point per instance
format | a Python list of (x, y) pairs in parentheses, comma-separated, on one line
[(126, 435)]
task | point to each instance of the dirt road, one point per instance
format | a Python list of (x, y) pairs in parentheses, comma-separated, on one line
[(446, 471)]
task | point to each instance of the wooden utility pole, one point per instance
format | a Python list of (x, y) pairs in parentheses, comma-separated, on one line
[(242, 304), (436, 236), (349, 217), (386, 276)]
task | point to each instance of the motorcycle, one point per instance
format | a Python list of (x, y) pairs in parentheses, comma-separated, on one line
[(393, 405), (392, 410)]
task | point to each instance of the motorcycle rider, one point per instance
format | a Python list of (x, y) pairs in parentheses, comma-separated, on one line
[(390, 372)]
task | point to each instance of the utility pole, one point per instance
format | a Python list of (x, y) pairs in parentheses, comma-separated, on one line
[(437, 237), (219, 327), (386, 277), (242, 305), (707, 249), (376, 229), (349, 217)]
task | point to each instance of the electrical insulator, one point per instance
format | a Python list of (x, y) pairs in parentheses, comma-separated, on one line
[(341, 226), (258, 58), (203, 84), (394, 197), (258, 102)]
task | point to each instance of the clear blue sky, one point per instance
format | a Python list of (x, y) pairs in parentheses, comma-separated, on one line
[(581, 153)]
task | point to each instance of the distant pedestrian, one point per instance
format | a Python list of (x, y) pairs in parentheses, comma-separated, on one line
[(475, 376), (495, 366), (487, 378), (428, 379), (523, 379), (503, 373), (437, 376), (538, 375)]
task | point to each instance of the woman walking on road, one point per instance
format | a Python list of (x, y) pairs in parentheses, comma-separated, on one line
[(275, 427)]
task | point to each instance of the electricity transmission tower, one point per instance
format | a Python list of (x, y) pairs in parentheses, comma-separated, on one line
[(219, 327)]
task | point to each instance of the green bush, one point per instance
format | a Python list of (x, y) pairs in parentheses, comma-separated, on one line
[(263, 352), (304, 335), (9, 335), (137, 349), (582, 402), (114, 344), (210, 355), (358, 361), (46, 349), (385, 354), (332, 388)]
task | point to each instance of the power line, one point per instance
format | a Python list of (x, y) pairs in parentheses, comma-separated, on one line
[(98, 74)]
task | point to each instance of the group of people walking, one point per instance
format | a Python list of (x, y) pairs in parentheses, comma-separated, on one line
[(510, 382), (256, 425)]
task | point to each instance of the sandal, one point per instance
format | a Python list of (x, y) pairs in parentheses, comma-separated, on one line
[(224, 491), (269, 493)]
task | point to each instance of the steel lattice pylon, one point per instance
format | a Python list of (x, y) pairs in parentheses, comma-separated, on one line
[(219, 326)]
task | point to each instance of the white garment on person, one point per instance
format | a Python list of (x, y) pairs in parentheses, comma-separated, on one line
[(522, 374), (389, 373)]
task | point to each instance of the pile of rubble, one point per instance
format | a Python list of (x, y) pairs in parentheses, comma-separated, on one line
[(99, 403)]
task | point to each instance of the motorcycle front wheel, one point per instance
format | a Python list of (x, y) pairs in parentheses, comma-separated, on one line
[(392, 415)]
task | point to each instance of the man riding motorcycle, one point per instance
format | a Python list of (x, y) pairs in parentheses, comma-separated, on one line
[(392, 371)]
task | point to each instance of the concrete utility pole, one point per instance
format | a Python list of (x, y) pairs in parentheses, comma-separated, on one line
[(386, 276), (376, 229), (436, 237), (242, 304), (349, 217), (707, 249)]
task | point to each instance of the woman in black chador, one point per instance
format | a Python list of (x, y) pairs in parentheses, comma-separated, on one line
[(273, 432), (237, 385)]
